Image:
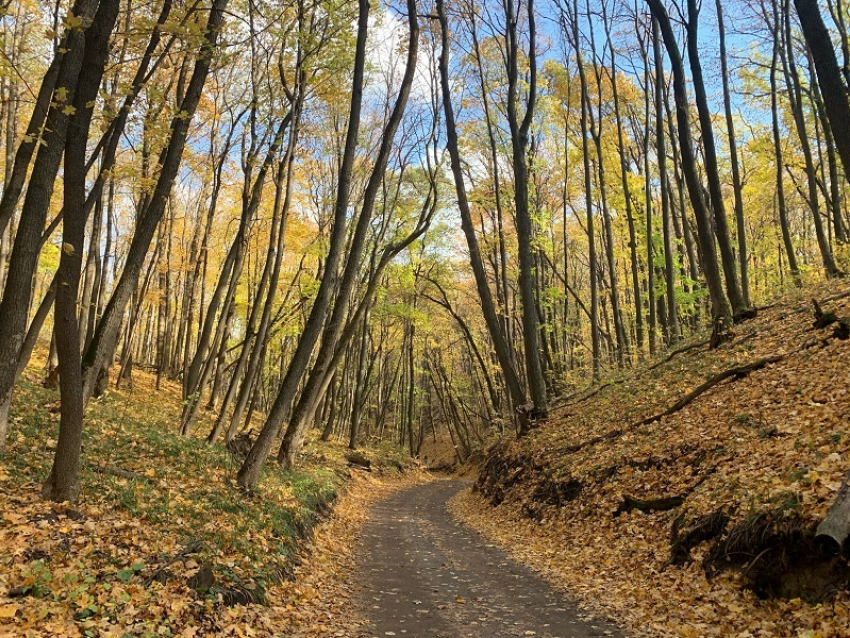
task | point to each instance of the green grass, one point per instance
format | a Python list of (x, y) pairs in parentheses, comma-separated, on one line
[(188, 493)]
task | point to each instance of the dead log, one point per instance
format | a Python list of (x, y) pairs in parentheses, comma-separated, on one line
[(358, 461), (362, 468), (835, 526), (663, 504), (745, 315)]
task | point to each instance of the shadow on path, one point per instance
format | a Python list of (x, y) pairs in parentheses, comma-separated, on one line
[(421, 574)]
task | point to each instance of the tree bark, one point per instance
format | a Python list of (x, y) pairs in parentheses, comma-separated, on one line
[(712, 173), (17, 293), (832, 86), (488, 308), (249, 473), (104, 341), (63, 483), (719, 305)]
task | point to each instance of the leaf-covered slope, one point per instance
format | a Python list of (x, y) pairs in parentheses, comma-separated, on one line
[(731, 484), (162, 542)]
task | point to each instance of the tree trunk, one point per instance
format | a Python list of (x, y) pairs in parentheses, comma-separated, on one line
[(737, 186), (63, 484), (712, 174), (249, 473), (17, 293), (832, 86), (524, 226), (719, 305), (672, 322), (105, 339)]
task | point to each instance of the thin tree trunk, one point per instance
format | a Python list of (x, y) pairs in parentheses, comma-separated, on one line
[(737, 187), (719, 305)]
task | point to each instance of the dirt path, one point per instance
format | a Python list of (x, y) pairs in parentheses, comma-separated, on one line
[(424, 575)]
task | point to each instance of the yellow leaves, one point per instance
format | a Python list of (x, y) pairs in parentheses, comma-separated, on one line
[(775, 439), (72, 22), (9, 610)]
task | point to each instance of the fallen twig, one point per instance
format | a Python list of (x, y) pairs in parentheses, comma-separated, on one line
[(117, 471)]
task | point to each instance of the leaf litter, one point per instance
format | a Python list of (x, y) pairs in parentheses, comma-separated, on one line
[(162, 543), (757, 459)]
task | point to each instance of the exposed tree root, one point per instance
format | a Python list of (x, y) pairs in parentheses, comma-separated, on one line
[(779, 557), (704, 528)]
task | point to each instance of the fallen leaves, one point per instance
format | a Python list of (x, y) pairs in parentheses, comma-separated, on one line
[(775, 439), (161, 542)]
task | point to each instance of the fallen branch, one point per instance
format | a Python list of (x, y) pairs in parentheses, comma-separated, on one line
[(357, 466), (663, 504), (117, 471), (738, 372), (568, 401), (192, 547), (678, 351)]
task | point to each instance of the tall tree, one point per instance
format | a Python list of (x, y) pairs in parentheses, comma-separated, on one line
[(494, 326), (830, 79), (737, 186), (63, 482), (17, 294), (709, 151), (520, 128), (105, 339), (719, 304), (280, 411)]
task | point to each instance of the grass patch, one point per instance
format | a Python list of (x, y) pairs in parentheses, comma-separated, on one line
[(176, 529)]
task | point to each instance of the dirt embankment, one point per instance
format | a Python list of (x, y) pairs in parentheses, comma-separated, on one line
[(684, 497)]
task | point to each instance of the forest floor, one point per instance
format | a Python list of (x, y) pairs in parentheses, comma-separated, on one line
[(161, 542), (699, 522)]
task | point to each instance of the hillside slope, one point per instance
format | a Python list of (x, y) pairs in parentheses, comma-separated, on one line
[(699, 522), (162, 542)]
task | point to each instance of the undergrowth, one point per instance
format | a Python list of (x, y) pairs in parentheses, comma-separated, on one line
[(159, 518)]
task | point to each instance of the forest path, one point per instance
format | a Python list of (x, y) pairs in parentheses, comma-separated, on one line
[(422, 574)]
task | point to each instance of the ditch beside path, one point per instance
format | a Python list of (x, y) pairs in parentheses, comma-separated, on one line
[(422, 574)]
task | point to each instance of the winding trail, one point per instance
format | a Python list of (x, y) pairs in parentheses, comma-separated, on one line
[(424, 575)]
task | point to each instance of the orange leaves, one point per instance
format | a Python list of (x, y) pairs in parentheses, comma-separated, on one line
[(775, 439)]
